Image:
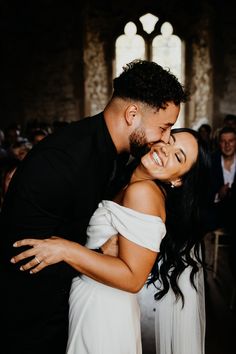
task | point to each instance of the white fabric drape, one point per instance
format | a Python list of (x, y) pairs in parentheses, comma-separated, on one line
[(181, 330)]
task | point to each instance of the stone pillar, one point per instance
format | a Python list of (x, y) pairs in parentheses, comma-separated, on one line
[(95, 75), (200, 106)]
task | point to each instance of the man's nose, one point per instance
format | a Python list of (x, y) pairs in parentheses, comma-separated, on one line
[(166, 136)]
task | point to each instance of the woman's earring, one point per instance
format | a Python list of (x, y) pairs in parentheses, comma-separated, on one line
[(172, 185)]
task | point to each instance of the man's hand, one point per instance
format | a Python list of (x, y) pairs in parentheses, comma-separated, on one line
[(224, 191), (110, 247)]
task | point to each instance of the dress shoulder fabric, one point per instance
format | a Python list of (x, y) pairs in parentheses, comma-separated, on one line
[(102, 319)]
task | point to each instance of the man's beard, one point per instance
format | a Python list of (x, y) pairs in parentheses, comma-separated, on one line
[(138, 143)]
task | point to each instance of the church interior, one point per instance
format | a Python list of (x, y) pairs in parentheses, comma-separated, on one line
[(58, 62), (58, 57)]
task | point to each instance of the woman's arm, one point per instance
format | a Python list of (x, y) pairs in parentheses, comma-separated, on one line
[(128, 271)]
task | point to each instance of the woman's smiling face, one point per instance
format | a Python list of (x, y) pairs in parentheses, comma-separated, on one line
[(168, 162)]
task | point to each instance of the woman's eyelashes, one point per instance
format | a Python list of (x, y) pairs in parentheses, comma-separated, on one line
[(178, 158), (179, 155)]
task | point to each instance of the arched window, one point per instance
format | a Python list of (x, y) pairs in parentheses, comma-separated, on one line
[(163, 47), (129, 46), (167, 50)]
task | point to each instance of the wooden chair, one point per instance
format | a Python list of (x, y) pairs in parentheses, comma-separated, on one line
[(219, 241)]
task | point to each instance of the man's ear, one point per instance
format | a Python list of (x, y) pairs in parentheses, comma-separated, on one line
[(130, 113)]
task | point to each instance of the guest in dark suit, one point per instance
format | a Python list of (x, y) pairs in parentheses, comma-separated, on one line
[(223, 190), (223, 178), (58, 186)]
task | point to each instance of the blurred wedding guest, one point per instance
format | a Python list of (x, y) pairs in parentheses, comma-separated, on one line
[(20, 149), (37, 125), (205, 135), (38, 135), (230, 121), (12, 135), (223, 178), (224, 172)]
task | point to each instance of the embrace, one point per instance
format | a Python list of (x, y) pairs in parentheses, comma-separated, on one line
[(74, 192)]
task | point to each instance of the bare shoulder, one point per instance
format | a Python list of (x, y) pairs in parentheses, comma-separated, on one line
[(145, 197)]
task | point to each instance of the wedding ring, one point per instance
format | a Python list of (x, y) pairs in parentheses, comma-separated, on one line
[(37, 260)]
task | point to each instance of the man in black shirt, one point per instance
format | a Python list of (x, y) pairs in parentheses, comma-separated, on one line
[(56, 189)]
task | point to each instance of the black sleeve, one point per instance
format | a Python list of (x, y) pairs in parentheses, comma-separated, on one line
[(40, 198), (41, 192)]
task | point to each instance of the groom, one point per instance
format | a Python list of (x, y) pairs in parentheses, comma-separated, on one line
[(58, 186)]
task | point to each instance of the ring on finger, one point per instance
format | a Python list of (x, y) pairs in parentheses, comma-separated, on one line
[(36, 258)]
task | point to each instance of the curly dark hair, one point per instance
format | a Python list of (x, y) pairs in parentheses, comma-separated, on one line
[(185, 207), (148, 82)]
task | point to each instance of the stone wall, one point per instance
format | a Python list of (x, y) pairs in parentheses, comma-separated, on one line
[(49, 95), (224, 65), (57, 57), (200, 106), (43, 63), (96, 77)]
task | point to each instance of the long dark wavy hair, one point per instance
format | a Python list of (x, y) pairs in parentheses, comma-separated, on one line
[(185, 205)]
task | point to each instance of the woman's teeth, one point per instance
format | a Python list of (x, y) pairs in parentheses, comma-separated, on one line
[(157, 158)]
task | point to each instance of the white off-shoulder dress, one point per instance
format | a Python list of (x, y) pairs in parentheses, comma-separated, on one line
[(102, 319)]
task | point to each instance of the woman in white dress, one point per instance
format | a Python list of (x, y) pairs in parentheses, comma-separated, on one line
[(104, 312)]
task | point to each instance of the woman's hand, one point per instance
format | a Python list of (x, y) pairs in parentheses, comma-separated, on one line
[(45, 252)]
